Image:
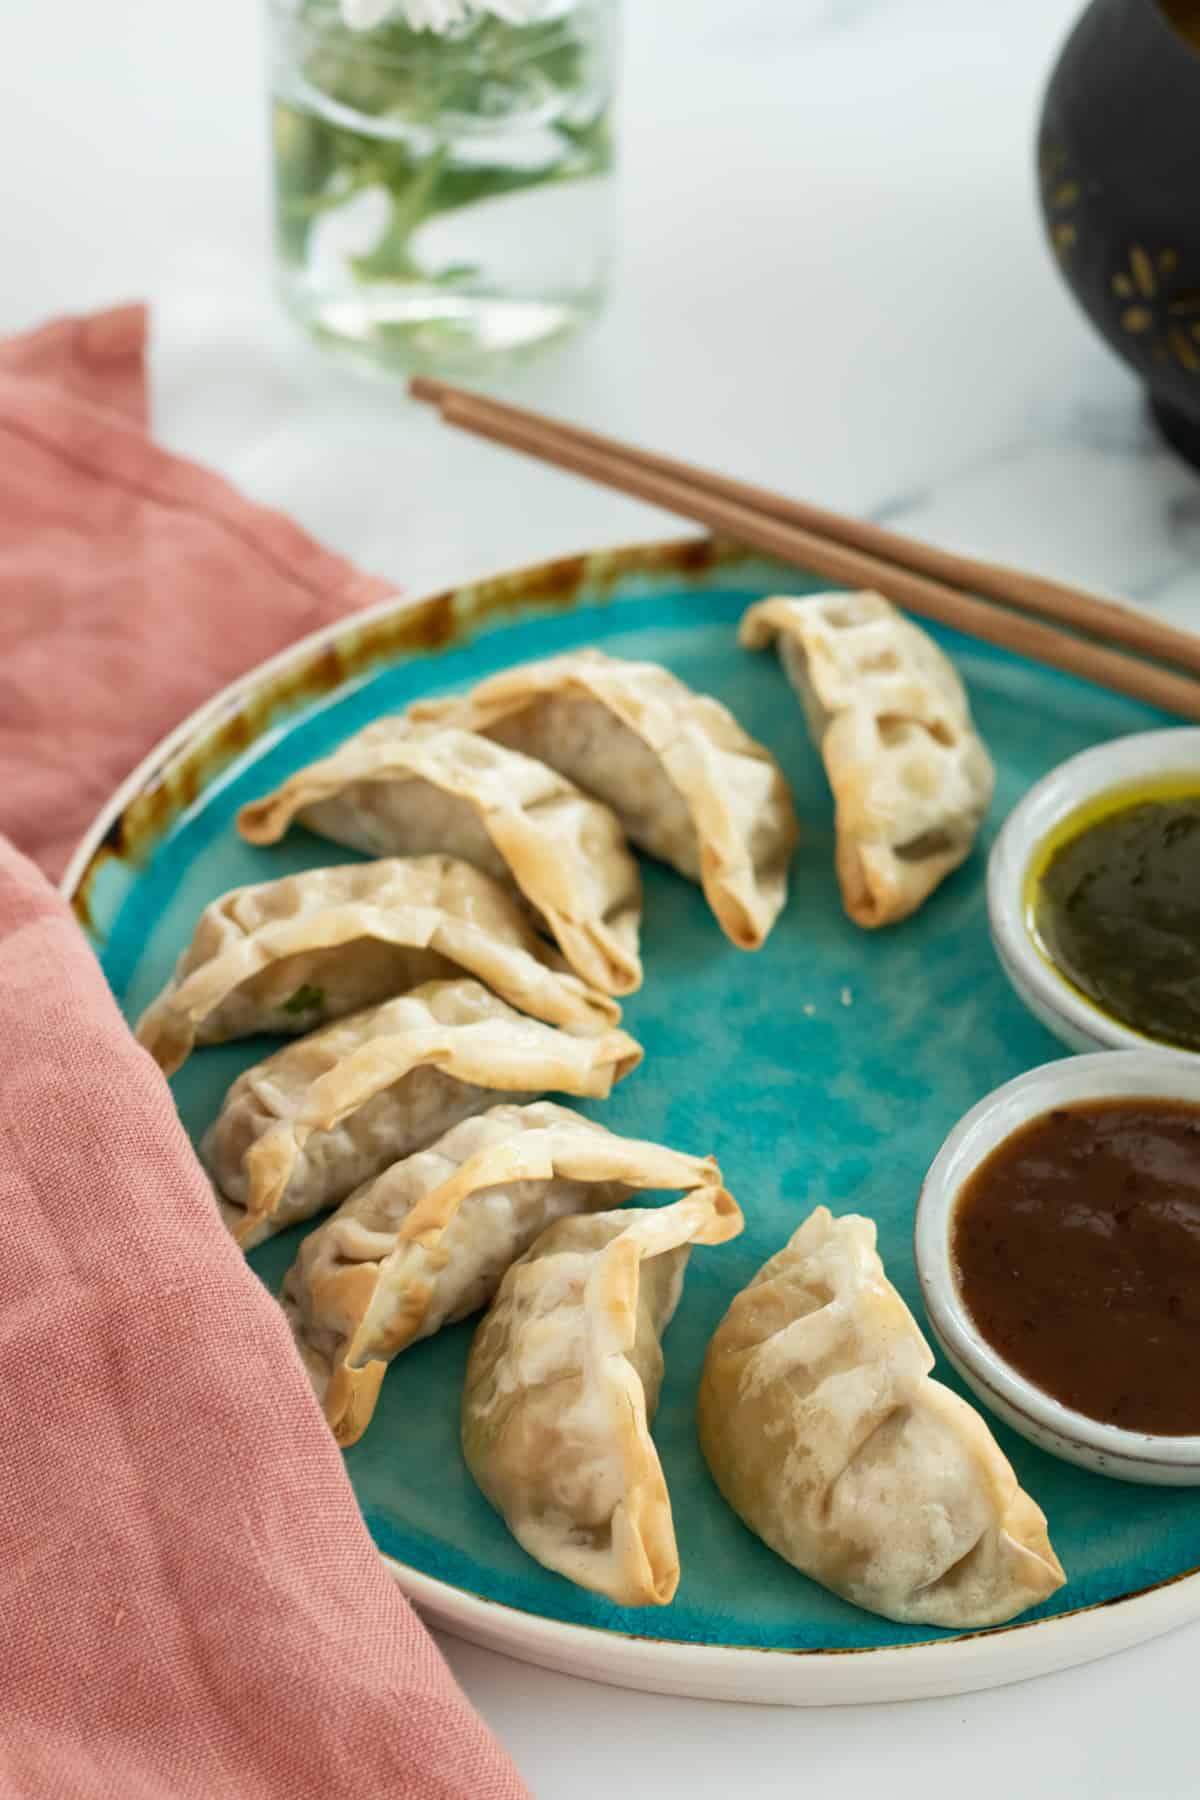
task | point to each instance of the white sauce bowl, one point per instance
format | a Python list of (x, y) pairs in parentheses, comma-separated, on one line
[(1049, 995), (1037, 1415)]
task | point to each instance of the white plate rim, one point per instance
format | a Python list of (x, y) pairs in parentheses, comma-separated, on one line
[(934, 1669), (942, 1667)]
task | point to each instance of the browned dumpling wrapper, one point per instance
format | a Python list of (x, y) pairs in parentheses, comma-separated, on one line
[(826, 1435), (427, 1242), (563, 1381), (303, 1129), (398, 789), (911, 778), (688, 784), (290, 955)]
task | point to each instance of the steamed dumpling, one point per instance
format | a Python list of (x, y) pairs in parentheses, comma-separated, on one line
[(687, 783), (289, 955), (427, 1241), (398, 789), (303, 1129), (827, 1437), (562, 1383), (910, 775)]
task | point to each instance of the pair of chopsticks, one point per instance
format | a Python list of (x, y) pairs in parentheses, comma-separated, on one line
[(1004, 606)]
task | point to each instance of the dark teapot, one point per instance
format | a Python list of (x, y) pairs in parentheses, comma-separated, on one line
[(1119, 161)]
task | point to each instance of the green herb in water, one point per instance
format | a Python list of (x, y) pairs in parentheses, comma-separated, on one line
[(404, 116)]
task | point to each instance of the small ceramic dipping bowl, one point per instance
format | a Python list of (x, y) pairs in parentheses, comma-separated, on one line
[(1037, 1415), (1047, 992)]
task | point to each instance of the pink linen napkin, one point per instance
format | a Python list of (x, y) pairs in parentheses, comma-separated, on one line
[(132, 583), (190, 1604)]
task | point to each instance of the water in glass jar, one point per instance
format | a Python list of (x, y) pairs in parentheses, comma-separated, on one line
[(442, 203)]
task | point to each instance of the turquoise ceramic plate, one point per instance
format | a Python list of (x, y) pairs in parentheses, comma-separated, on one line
[(826, 1068)]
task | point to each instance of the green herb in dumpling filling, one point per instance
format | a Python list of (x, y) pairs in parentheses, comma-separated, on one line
[(305, 999)]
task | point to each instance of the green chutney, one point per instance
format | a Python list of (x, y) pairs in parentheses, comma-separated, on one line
[(1113, 902)]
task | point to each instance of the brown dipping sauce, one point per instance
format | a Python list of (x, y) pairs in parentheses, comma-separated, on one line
[(1077, 1245)]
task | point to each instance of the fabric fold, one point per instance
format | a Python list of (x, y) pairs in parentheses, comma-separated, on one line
[(190, 1602), (133, 584)]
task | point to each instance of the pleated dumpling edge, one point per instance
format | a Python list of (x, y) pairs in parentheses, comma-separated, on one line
[(563, 1381), (690, 786), (826, 1435), (402, 789), (911, 777)]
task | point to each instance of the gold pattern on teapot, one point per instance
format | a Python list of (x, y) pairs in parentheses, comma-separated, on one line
[(1060, 194), (1165, 318)]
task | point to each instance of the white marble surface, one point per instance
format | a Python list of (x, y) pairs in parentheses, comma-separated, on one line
[(833, 281)]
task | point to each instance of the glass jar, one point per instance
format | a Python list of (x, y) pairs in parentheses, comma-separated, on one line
[(442, 202)]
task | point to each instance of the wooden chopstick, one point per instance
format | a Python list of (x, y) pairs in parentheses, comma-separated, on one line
[(860, 554), (1014, 587)]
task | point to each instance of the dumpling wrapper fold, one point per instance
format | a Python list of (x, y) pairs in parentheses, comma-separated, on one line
[(562, 1382), (312, 1123), (399, 789), (428, 1241), (910, 775), (688, 784), (290, 955), (826, 1435)]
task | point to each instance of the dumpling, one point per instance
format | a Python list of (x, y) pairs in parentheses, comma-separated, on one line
[(562, 1383), (303, 1129), (687, 783), (289, 955), (827, 1437), (398, 789), (427, 1241), (910, 775)]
